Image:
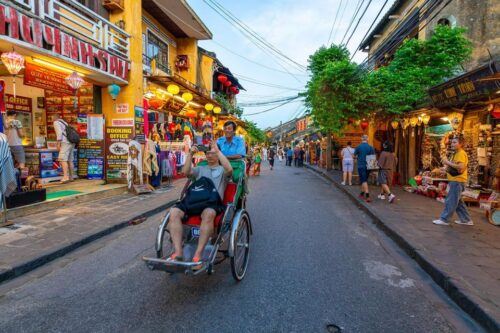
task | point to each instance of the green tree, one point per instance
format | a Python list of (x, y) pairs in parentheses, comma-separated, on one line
[(255, 134), (418, 65)]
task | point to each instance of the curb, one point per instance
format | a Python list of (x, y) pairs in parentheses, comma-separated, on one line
[(441, 278), (46, 258)]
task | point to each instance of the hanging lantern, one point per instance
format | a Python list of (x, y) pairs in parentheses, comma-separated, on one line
[(209, 106), (75, 81), (227, 83), (14, 63), (425, 119), (188, 97), (173, 89), (364, 125), (395, 124), (222, 78), (190, 113), (217, 110), (156, 103), (114, 90), (413, 121), (455, 119), (233, 89)]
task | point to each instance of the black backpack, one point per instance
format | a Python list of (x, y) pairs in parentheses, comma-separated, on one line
[(71, 133), (201, 194)]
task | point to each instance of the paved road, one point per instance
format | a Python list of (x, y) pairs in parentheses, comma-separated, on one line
[(316, 260)]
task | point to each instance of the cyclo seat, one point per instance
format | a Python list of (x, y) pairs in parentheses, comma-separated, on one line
[(234, 190)]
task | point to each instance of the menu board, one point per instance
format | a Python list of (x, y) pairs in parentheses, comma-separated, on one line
[(139, 125), (88, 150), (117, 139)]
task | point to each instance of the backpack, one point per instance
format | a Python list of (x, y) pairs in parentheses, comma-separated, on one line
[(199, 195), (71, 134)]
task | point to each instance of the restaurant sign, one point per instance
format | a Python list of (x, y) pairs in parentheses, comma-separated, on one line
[(32, 32), (469, 86), (37, 76)]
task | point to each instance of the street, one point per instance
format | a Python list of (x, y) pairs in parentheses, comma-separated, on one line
[(316, 263)]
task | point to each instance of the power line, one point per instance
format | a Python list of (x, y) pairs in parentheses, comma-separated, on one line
[(266, 103), (252, 32), (338, 23), (358, 7), (334, 23), (357, 24), (267, 110), (255, 81), (370, 28)]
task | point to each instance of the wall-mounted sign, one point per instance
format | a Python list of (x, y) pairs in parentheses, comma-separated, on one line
[(40, 77), (117, 139), (139, 125), (125, 122), (31, 32), (18, 103), (122, 108), (87, 150)]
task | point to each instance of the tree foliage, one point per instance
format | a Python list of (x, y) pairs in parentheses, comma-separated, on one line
[(227, 106), (255, 134)]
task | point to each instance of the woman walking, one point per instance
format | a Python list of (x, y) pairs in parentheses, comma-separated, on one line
[(256, 162), (347, 155), (387, 162)]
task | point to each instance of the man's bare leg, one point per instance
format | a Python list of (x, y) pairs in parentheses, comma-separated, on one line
[(65, 168), (174, 226), (206, 230)]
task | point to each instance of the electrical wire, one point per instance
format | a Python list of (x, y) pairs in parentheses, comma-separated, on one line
[(270, 109), (357, 24), (334, 22), (370, 28), (266, 103), (338, 23), (255, 81), (358, 7)]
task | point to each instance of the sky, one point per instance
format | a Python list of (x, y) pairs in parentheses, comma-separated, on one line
[(297, 28)]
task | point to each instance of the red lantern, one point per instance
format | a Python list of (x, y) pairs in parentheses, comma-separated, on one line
[(237, 91), (233, 89), (156, 103), (222, 78), (191, 113), (364, 125), (227, 83)]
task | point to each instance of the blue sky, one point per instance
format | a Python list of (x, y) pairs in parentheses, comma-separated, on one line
[(295, 27)]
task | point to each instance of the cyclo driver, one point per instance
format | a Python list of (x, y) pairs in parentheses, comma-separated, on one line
[(203, 196)]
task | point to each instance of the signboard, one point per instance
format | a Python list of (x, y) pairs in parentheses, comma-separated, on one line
[(301, 125), (117, 139), (139, 125), (122, 108), (18, 103), (95, 168), (87, 150), (34, 33), (125, 122), (40, 77), (472, 85)]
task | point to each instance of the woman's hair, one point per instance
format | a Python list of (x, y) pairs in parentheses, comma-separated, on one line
[(349, 143), (11, 113), (387, 146)]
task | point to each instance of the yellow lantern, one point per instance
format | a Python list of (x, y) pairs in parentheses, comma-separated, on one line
[(455, 119), (425, 119), (405, 123), (188, 97), (395, 124), (173, 89), (209, 106), (413, 121), (217, 110)]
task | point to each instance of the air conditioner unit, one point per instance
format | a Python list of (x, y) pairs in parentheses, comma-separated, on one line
[(113, 5)]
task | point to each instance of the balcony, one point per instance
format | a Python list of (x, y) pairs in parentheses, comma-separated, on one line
[(79, 21), (146, 61)]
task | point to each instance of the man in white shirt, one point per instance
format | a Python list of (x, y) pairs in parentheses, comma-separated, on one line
[(65, 148), (14, 132)]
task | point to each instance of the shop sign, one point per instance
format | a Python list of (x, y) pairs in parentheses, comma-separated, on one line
[(139, 124), (125, 122), (472, 85), (40, 77), (89, 150), (18, 103), (117, 139), (122, 108), (32, 32), (301, 125)]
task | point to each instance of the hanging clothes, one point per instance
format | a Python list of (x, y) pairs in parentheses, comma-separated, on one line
[(134, 163), (150, 160)]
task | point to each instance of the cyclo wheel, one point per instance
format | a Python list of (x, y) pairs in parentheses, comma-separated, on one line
[(163, 244), (239, 261)]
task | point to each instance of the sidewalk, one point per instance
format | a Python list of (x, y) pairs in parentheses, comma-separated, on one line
[(463, 260), (38, 238)]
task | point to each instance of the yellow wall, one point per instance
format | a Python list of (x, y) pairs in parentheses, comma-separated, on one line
[(206, 71), (188, 46), (133, 92)]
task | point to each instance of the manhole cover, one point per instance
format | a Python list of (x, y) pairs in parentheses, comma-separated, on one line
[(332, 328)]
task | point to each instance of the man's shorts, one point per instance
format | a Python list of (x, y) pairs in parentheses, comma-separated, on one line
[(347, 165), (218, 209), (384, 177), (18, 153), (66, 152), (363, 175)]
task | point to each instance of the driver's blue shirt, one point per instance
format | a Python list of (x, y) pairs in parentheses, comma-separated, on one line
[(235, 147)]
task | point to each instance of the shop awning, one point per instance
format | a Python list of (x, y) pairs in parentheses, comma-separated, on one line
[(480, 83)]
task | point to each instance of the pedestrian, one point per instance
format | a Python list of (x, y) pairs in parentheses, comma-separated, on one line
[(264, 153), (387, 162), (302, 154), (347, 155), (361, 152), (65, 148), (249, 160), (456, 172), (14, 133), (271, 155), (289, 156), (280, 154), (256, 162), (296, 156)]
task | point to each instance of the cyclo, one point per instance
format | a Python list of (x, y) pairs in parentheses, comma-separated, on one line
[(233, 229)]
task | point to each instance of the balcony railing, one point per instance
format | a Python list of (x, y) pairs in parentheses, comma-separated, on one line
[(146, 61), (80, 21)]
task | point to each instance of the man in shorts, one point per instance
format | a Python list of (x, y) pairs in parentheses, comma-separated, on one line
[(219, 170), (65, 148), (14, 132), (363, 150)]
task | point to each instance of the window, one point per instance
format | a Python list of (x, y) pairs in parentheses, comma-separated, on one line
[(156, 49), (444, 21)]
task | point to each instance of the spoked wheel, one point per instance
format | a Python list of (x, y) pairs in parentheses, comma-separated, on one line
[(239, 262), (164, 246)]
